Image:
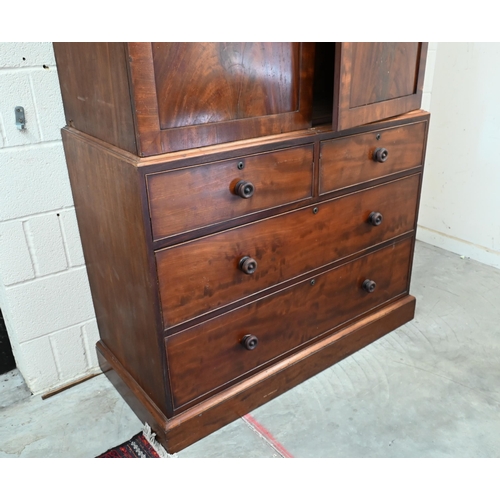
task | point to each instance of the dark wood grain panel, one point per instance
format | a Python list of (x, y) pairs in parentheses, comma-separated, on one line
[(186, 199), (227, 112), (348, 161), (143, 93), (106, 191), (199, 83), (376, 80), (382, 71), (210, 354), (95, 91), (203, 274)]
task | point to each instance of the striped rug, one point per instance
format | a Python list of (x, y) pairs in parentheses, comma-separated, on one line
[(137, 447)]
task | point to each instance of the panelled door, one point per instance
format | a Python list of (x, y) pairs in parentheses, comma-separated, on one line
[(189, 95), (376, 80)]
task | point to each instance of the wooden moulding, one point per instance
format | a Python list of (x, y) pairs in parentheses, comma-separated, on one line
[(201, 420)]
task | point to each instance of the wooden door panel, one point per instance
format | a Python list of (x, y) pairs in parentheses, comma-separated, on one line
[(224, 81), (377, 80), (382, 71), (188, 95)]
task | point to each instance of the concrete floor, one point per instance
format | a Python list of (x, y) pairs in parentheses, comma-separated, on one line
[(429, 389)]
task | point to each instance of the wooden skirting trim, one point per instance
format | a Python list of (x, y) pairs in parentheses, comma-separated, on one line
[(68, 386)]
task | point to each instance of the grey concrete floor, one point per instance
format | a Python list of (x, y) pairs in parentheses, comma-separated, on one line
[(13, 389), (429, 389)]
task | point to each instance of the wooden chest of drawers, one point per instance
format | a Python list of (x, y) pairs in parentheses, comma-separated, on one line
[(224, 275)]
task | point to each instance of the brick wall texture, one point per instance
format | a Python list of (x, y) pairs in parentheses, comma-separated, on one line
[(44, 291)]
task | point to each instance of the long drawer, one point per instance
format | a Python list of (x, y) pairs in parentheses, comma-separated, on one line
[(218, 351), (210, 272), (349, 161), (189, 198)]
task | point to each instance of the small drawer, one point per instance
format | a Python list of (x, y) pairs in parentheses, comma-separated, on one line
[(191, 198), (211, 272), (219, 351), (355, 159)]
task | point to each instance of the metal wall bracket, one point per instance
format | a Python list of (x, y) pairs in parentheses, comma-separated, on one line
[(20, 118)]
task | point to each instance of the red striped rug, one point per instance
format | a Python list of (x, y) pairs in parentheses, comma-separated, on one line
[(137, 447)]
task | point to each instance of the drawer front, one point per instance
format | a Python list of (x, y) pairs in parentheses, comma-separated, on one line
[(205, 274), (191, 198), (212, 354), (355, 159)]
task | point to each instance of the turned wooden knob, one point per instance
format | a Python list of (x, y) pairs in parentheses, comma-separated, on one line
[(249, 342), (244, 189), (380, 155), (248, 265), (369, 286), (375, 218)]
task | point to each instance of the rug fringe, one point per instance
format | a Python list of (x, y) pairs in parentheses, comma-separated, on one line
[(151, 438)]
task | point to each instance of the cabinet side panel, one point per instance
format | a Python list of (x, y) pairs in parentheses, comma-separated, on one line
[(106, 191), (95, 91)]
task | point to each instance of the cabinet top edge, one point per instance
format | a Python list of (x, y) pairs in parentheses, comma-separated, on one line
[(243, 147)]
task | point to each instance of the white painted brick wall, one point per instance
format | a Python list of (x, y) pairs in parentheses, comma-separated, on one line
[(51, 303), (34, 178), (44, 291), (69, 352), (38, 365), (16, 87), (71, 237), (45, 243), (90, 337), (15, 259), (26, 55)]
